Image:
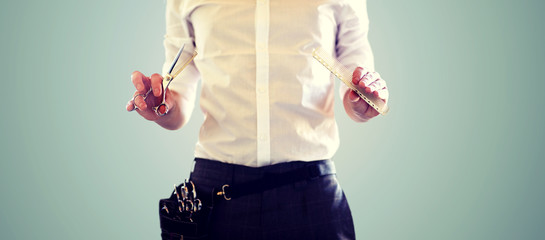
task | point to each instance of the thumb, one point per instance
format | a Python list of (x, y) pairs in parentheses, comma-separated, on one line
[(353, 96)]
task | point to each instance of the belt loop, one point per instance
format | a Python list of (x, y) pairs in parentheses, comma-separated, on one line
[(193, 167)]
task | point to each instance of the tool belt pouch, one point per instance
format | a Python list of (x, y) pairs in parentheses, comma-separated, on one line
[(183, 215)]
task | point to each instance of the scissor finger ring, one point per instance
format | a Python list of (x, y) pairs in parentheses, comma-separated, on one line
[(197, 205), (193, 191), (161, 110), (189, 206), (142, 95)]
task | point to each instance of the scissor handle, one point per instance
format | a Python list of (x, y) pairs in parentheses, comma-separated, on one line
[(143, 95), (161, 109), (197, 205)]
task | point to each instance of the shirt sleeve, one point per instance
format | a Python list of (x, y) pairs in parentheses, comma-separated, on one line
[(179, 31), (352, 46)]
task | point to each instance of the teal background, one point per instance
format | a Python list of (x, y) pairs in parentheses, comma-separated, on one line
[(460, 156)]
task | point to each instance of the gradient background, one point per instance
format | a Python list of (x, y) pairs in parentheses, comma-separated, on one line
[(460, 156)]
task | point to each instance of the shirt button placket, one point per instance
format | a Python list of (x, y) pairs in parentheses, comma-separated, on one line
[(262, 82)]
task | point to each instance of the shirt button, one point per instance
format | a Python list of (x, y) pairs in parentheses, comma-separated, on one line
[(261, 90), (263, 137)]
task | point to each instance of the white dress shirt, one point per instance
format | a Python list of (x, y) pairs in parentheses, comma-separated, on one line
[(264, 98)]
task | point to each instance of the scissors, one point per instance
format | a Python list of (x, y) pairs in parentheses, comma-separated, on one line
[(162, 108)]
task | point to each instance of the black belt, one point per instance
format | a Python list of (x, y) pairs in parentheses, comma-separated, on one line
[(311, 171)]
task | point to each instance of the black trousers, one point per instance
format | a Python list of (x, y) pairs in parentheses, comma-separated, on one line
[(310, 209)]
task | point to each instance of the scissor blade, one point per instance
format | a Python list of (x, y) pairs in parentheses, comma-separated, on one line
[(176, 59), (184, 65)]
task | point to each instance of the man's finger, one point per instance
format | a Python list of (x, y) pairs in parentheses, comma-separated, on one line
[(366, 86), (353, 96), (140, 81), (130, 106), (356, 75), (157, 84), (376, 85), (371, 113), (383, 94), (368, 79), (139, 101)]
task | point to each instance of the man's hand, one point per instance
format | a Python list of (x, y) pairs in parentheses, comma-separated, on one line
[(367, 81), (144, 101), (145, 107)]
